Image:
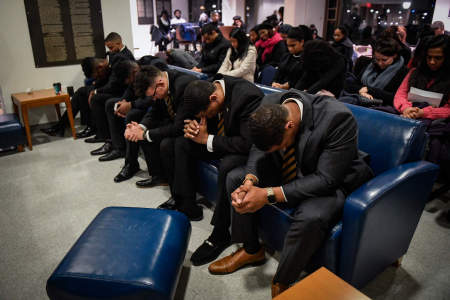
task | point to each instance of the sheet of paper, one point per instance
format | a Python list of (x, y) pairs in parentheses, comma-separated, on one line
[(418, 95)]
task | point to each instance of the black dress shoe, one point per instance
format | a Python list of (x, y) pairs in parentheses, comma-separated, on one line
[(55, 130), (209, 251), (86, 132), (127, 172), (151, 182), (114, 154), (106, 148), (94, 139), (194, 212), (169, 204)]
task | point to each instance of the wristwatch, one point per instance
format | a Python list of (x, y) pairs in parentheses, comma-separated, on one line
[(271, 195), (144, 134)]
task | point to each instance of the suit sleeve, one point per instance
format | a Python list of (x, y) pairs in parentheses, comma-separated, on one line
[(334, 162)]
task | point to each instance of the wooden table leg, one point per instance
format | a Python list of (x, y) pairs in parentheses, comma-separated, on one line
[(70, 115), (26, 123), (16, 110), (58, 111)]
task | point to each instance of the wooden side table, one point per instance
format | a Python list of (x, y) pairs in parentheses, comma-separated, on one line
[(322, 285), (24, 101)]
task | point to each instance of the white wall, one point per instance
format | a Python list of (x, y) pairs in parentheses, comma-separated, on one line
[(266, 8), (231, 8), (305, 12), (441, 11), (17, 69)]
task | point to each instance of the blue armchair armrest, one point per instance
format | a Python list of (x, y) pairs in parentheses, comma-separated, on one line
[(380, 219)]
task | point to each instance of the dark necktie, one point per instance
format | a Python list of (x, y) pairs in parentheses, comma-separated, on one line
[(289, 169), (220, 126), (170, 107)]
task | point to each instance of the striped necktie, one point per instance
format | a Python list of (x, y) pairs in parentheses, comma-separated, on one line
[(169, 104), (220, 126), (289, 169)]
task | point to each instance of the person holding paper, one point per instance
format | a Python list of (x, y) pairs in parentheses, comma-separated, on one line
[(431, 75)]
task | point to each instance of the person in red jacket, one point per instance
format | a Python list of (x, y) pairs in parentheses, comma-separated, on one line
[(431, 74)]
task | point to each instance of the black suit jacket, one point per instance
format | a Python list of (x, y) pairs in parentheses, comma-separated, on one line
[(241, 99), (326, 151), (157, 120)]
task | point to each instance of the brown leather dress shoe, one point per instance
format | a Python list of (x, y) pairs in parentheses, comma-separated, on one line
[(237, 260), (278, 288)]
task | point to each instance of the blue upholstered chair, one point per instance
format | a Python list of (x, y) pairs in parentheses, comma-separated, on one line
[(11, 132), (380, 217)]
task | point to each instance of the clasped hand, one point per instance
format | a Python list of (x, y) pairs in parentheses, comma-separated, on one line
[(134, 132), (195, 131), (412, 113), (123, 107), (248, 199)]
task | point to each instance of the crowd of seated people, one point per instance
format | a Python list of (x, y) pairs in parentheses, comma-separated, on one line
[(177, 119)]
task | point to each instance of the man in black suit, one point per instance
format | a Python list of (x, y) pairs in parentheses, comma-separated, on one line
[(305, 155), (158, 127), (222, 108), (113, 42), (121, 79), (127, 108)]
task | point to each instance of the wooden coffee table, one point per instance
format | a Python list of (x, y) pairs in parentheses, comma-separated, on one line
[(322, 285), (24, 101)]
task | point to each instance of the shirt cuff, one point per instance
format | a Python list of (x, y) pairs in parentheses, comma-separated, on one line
[(284, 195), (147, 135), (209, 143)]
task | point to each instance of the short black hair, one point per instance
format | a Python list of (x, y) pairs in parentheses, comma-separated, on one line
[(267, 125), (387, 46), (209, 28), (123, 70), (300, 33), (196, 96), (113, 36), (176, 11), (88, 65), (144, 79)]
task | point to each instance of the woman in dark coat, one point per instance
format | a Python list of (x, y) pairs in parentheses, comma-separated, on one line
[(343, 45), (291, 66), (164, 28)]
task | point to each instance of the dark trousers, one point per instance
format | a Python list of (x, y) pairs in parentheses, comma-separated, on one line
[(187, 153), (116, 125), (132, 148), (98, 103), (80, 104), (313, 219)]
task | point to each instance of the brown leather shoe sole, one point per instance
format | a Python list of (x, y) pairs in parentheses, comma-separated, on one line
[(236, 261)]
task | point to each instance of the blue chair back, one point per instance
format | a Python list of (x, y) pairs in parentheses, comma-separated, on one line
[(201, 76), (389, 139)]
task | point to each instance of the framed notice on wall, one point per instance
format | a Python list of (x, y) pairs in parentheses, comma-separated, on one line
[(63, 32)]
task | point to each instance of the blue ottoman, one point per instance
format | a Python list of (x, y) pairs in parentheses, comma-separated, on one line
[(125, 253), (11, 132)]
